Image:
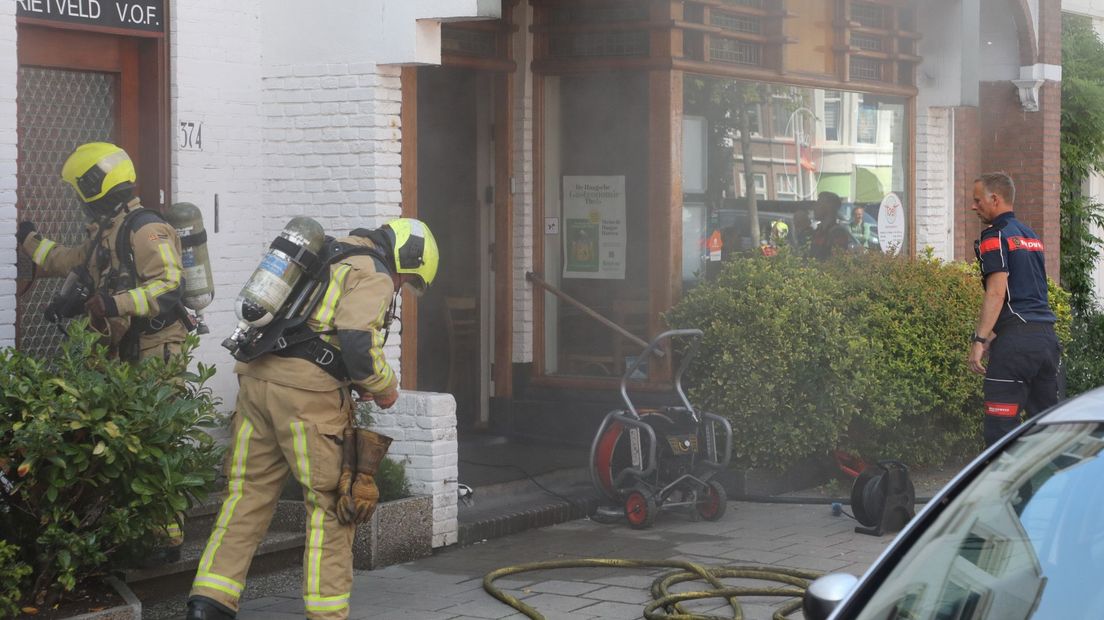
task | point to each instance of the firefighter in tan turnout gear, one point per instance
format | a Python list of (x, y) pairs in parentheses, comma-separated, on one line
[(126, 276), (131, 260), (294, 415)]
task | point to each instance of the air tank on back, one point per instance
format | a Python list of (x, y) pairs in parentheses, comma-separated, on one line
[(199, 284), (266, 291)]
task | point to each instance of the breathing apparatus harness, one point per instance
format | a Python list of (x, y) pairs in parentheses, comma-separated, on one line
[(289, 335)]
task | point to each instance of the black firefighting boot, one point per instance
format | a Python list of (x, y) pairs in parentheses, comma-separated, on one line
[(203, 608)]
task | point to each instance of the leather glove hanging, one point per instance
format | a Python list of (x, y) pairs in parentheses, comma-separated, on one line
[(358, 493)]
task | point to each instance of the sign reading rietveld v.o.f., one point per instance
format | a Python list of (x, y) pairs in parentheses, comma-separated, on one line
[(594, 227), (891, 224), (145, 15)]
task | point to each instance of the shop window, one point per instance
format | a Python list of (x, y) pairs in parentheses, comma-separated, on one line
[(586, 44), (865, 166), (595, 166)]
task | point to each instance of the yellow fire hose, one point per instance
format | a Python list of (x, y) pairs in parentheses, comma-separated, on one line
[(667, 606)]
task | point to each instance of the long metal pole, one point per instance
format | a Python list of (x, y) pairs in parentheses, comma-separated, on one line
[(539, 281)]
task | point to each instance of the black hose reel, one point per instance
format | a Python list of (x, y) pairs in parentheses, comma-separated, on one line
[(883, 498)]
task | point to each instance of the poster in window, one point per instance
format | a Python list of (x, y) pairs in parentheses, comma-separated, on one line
[(594, 230), (891, 224)]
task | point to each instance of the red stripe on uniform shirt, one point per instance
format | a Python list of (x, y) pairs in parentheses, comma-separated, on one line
[(1002, 410), (1025, 243), (989, 245)]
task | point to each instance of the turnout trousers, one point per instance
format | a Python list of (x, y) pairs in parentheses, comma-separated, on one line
[(1024, 375), (279, 430)]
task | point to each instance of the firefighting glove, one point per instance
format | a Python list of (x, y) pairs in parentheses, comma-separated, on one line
[(348, 469), (359, 503), (386, 399), (101, 305), (23, 231)]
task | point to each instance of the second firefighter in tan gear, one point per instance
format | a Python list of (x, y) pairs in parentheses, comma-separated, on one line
[(150, 290), (294, 416), (136, 290)]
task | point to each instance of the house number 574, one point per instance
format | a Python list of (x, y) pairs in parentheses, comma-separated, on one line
[(191, 136)]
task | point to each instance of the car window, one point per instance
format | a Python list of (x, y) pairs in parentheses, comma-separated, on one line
[(1024, 540)]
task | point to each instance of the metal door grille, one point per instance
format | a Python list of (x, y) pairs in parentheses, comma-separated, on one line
[(57, 111)]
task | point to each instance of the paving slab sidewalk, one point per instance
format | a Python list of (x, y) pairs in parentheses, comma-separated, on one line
[(449, 584)]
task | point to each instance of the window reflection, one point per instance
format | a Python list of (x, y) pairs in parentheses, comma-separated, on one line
[(1023, 541), (812, 141)]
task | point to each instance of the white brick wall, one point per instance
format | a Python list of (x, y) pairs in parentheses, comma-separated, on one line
[(216, 80), (423, 425), (8, 179), (523, 188), (934, 182), (332, 141)]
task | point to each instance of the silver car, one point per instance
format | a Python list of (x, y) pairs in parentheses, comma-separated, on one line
[(1018, 534)]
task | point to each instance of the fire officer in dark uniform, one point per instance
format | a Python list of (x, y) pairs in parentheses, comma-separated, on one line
[(1015, 326)]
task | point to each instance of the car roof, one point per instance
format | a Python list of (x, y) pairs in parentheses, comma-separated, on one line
[(1088, 407)]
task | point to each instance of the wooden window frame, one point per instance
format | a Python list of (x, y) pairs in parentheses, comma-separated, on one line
[(503, 67), (666, 66)]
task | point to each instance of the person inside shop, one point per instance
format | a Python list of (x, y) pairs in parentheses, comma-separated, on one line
[(831, 237), (860, 229)]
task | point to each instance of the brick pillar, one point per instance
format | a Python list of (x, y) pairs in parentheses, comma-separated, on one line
[(423, 425), (1025, 145)]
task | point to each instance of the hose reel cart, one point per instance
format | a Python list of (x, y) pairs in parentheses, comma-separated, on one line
[(646, 460)]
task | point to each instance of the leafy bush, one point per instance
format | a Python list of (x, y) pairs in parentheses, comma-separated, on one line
[(14, 572), (780, 358), (1084, 362), (102, 453), (865, 353), (916, 316), (392, 481)]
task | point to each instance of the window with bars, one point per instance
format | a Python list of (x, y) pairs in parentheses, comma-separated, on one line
[(599, 14), (737, 23), (591, 44), (869, 15), (755, 4), (866, 69), (734, 51), (867, 42)]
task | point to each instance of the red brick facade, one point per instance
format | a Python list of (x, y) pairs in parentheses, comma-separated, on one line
[(1001, 136)]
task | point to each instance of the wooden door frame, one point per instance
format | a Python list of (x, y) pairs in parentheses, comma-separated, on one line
[(140, 61), (502, 355)]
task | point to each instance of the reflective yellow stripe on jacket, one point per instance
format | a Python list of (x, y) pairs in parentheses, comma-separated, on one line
[(324, 315)]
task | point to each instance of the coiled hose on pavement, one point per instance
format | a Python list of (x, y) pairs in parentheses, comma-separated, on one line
[(666, 605)]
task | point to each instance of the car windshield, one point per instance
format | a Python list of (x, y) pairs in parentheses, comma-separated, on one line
[(1025, 539)]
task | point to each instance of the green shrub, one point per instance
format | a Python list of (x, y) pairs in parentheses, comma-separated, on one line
[(865, 353), (102, 454), (14, 571), (392, 481), (780, 358), (1084, 361), (917, 316)]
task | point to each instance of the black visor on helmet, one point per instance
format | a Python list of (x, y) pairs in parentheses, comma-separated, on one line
[(410, 254), (91, 183)]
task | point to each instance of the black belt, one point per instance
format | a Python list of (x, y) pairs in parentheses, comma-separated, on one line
[(321, 354)]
